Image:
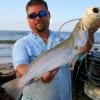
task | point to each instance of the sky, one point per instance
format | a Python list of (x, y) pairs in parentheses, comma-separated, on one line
[(13, 13)]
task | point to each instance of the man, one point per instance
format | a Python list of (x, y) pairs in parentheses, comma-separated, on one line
[(53, 85)]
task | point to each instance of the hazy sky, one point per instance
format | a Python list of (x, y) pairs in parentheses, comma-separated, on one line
[(13, 14)]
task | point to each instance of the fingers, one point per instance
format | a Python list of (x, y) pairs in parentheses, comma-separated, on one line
[(93, 29), (53, 72), (98, 24), (47, 77)]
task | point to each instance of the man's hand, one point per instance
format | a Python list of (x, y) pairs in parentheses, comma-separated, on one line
[(47, 77), (90, 39)]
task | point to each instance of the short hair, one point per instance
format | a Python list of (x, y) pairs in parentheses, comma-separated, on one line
[(36, 2)]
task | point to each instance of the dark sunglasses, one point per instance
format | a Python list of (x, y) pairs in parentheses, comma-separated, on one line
[(41, 14)]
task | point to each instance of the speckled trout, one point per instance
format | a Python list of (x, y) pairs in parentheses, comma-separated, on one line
[(61, 54)]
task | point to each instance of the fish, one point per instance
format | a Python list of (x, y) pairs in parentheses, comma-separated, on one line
[(61, 54)]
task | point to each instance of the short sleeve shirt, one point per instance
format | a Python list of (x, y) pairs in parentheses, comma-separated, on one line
[(25, 50)]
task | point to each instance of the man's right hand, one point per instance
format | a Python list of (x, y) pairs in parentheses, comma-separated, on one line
[(48, 77)]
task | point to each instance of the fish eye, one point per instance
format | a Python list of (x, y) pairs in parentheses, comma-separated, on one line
[(95, 10)]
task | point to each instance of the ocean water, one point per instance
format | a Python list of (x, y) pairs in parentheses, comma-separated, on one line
[(6, 48)]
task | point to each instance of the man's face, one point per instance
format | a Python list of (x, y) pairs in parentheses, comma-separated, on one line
[(38, 18)]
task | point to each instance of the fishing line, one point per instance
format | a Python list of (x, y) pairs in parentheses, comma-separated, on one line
[(59, 30)]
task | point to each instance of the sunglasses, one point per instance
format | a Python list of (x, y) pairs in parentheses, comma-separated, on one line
[(41, 14)]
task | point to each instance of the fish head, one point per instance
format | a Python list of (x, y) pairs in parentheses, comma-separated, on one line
[(88, 21), (91, 16)]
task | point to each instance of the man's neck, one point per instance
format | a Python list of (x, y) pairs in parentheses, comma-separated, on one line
[(44, 35)]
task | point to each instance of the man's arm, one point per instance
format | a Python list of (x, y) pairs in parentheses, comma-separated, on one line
[(90, 39), (21, 69)]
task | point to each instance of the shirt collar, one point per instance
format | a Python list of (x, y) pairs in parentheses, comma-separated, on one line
[(51, 39)]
